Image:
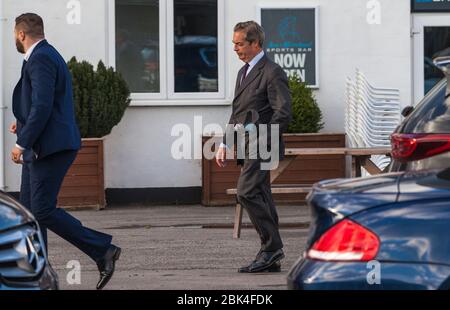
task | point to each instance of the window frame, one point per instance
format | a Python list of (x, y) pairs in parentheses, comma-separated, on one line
[(167, 95)]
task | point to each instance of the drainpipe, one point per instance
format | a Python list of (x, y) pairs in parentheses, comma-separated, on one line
[(2, 109)]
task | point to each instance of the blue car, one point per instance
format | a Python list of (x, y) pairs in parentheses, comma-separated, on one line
[(390, 231), (385, 232)]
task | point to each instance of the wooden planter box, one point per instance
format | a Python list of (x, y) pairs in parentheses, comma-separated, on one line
[(308, 170), (83, 186)]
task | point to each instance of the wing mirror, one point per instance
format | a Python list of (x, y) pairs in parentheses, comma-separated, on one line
[(407, 110)]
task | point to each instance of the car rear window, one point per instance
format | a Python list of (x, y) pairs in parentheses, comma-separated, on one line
[(432, 114)]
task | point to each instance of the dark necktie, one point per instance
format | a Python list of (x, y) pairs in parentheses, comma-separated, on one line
[(23, 66), (244, 74)]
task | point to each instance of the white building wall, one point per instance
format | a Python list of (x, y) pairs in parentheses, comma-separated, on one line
[(137, 153), (86, 40)]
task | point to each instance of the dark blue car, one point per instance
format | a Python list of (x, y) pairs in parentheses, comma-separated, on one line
[(384, 232)]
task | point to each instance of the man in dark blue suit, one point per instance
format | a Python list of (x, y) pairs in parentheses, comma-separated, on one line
[(48, 140)]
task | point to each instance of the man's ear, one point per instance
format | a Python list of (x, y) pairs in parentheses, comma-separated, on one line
[(21, 35)]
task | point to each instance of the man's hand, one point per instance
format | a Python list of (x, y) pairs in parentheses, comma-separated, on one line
[(13, 128), (221, 156), (16, 155)]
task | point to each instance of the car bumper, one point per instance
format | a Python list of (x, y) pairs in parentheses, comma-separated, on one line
[(309, 274), (48, 280)]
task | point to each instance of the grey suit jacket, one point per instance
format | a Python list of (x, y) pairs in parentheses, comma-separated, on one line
[(263, 98)]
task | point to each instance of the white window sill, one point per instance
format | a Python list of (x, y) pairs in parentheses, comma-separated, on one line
[(179, 103)]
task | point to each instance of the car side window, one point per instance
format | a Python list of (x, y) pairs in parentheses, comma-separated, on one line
[(432, 115)]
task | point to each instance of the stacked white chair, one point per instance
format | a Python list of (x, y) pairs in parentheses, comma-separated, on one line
[(372, 114)]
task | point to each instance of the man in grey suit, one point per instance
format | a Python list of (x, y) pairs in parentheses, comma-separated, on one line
[(262, 98)]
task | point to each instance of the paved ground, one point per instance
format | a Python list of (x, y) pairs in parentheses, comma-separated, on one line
[(179, 247)]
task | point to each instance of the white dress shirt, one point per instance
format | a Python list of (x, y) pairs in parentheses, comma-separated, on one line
[(31, 49), (254, 61)]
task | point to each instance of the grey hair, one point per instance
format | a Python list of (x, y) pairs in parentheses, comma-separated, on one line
[(253, 32)]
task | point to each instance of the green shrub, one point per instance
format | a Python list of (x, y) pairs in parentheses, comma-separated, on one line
[(306, 114), (100, 97)]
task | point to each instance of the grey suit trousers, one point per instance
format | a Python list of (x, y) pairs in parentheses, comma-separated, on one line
[(254, 194)]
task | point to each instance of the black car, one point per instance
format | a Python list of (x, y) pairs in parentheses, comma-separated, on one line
[(23, 259), (422, 141)]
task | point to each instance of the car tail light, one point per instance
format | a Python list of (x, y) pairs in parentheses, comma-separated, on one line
[(346, 241), (409, 147)]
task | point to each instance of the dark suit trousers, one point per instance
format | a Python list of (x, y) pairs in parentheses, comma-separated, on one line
[(41, 182), (254, 194)]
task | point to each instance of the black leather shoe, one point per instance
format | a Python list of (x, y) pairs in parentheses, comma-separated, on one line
[(275, 267), (107, 265), (265, 262)]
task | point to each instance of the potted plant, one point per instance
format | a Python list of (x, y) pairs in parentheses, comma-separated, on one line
[(306, 114), (302, 133), (101, 97)]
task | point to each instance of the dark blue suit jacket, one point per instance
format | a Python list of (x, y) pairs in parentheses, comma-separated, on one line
[(43, 105)]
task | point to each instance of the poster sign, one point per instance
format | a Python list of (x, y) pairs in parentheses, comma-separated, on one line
[(430, 5), (292, 40)]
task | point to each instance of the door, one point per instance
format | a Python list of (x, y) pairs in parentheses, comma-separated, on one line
[(2, 108), (431, 38)]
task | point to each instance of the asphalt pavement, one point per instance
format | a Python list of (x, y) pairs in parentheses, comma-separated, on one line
[(178, 247)]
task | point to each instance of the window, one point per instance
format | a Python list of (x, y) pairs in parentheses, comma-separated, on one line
[(436, 43), (170, 49), (195, 46), (137, 44)]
